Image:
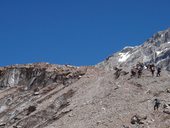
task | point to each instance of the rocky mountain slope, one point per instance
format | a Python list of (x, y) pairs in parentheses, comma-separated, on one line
[(43, 95), (155, 50), (29, 88)]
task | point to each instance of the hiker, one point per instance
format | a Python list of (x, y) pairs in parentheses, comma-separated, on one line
[(133, 72), (157, 104), (117, 73), (152, 69), (148, 66), (158, 72), (140, 67), (139, 71)]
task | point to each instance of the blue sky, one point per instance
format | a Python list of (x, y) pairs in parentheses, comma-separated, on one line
[(77, 32)]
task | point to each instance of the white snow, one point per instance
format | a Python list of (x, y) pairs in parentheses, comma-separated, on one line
[(168, 42), (158, 52), (128, 47), (123, 57)]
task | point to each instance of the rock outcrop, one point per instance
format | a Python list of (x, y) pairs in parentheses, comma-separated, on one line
[(39, 75), (25, 88)]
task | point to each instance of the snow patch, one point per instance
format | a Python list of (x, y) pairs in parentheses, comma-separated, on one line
[(158, 52), (123, 57), (128, 47)]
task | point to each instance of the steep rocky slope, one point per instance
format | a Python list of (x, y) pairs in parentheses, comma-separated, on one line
[(93, 100), (103, 102), (29, 88)]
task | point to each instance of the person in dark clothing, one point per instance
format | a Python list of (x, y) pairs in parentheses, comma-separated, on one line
[(149, 66), (157, 104), (139, 71), (152, 69), (117, 72), (133, 72), (158, 72)]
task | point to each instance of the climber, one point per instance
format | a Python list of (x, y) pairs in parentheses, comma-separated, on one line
[(139, 71), (140, 68), (117, 72), (133, 72), (157, 104), (140, 65), (158, 71), (147, 65), (152, 69)]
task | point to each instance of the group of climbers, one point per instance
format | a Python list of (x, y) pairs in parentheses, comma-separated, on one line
[(138, 69), (152, 68)]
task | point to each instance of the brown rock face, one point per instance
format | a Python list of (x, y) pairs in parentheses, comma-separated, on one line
[(38, 75), (26, 91)]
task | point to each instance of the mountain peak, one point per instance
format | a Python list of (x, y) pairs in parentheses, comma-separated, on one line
[(160, 37), (154, 50)]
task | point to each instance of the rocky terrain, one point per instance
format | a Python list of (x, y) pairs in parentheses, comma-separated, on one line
[(155, 50), (43, 95), (35, 88)]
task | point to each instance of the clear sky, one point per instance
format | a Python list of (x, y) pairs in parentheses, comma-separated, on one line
[(77, 32)]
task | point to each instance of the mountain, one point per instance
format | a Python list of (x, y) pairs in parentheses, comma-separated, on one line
[(43, 95), (155, 50)]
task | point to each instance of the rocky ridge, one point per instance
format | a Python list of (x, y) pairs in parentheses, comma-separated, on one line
[(155, 50)]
